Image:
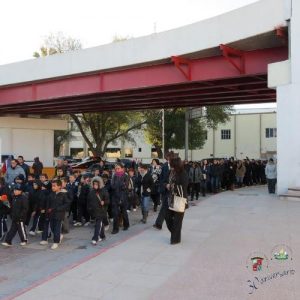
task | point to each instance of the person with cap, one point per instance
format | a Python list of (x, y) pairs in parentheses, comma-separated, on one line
[(13, 171), (97, 203), (18, 215), (271, 175), (20, 179)]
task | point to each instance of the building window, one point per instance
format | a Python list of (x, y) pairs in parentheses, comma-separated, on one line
[(140, 149), (271, 132), (225, 134)]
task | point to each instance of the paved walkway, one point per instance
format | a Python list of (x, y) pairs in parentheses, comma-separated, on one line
[(220, 236)]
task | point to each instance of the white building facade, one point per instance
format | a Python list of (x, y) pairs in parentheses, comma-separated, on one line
[(29, 137), (248, 133)]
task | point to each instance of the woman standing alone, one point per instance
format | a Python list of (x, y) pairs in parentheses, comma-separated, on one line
[(178, 181)]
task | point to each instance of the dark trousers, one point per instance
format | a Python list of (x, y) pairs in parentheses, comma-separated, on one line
[(132, 200), (203, 187), (174, 224), (118, 211), (3, 225), (28, 216), (214, 184), (271, 185), (156, 199), (38, 221), (46, 231), (99, 229), (82, 212), (16, 227), (55, 226), (162, 212), (195, 190), (73, 210)]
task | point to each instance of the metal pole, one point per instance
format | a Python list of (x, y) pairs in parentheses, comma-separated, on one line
[(186, 148), (163, 134)]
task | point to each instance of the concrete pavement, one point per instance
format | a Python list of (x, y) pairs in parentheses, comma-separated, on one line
[(220, 236)]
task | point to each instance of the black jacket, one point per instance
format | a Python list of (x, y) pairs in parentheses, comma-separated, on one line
[(83, 194), (59, 204), (146, 186), (164, 177), (19, 208), (95, 209), (119, 189), (179, 180)]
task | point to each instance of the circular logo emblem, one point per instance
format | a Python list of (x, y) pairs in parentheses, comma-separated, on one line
[(257, 262), (281, 254)]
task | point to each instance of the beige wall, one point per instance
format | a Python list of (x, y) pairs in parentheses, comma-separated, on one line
[(248, 138)]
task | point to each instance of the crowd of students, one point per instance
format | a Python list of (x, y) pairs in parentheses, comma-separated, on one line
[(105, 196)]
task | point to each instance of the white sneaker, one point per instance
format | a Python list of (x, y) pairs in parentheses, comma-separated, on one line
[(32, 233), (6, 244), (54, 246), (23, 243), (87, 224), (39, 231), (99, 240), (61, 238), (134, 209), (94, 243), (43, 242), (78, 224), (128, 211)]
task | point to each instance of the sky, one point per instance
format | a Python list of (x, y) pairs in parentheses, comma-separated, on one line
[(25, 24)]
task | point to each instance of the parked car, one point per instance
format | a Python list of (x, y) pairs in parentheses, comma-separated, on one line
[(85, 163)]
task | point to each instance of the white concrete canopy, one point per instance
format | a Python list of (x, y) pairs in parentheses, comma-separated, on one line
[(240, 24)]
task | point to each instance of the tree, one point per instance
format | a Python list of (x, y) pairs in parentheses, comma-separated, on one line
[(57, 43), (101, 129), (97, 129), (175, 127)]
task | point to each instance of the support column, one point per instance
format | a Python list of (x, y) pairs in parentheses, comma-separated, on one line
[(186, 148), (288, 113)]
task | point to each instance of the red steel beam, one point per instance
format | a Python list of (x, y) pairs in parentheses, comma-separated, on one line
[(155, 104), (138, 108), (235, 84), (233, 94), (204, 69)]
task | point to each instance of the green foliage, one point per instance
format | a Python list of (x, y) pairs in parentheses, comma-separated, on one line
[(175, 127), (217, 114)]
